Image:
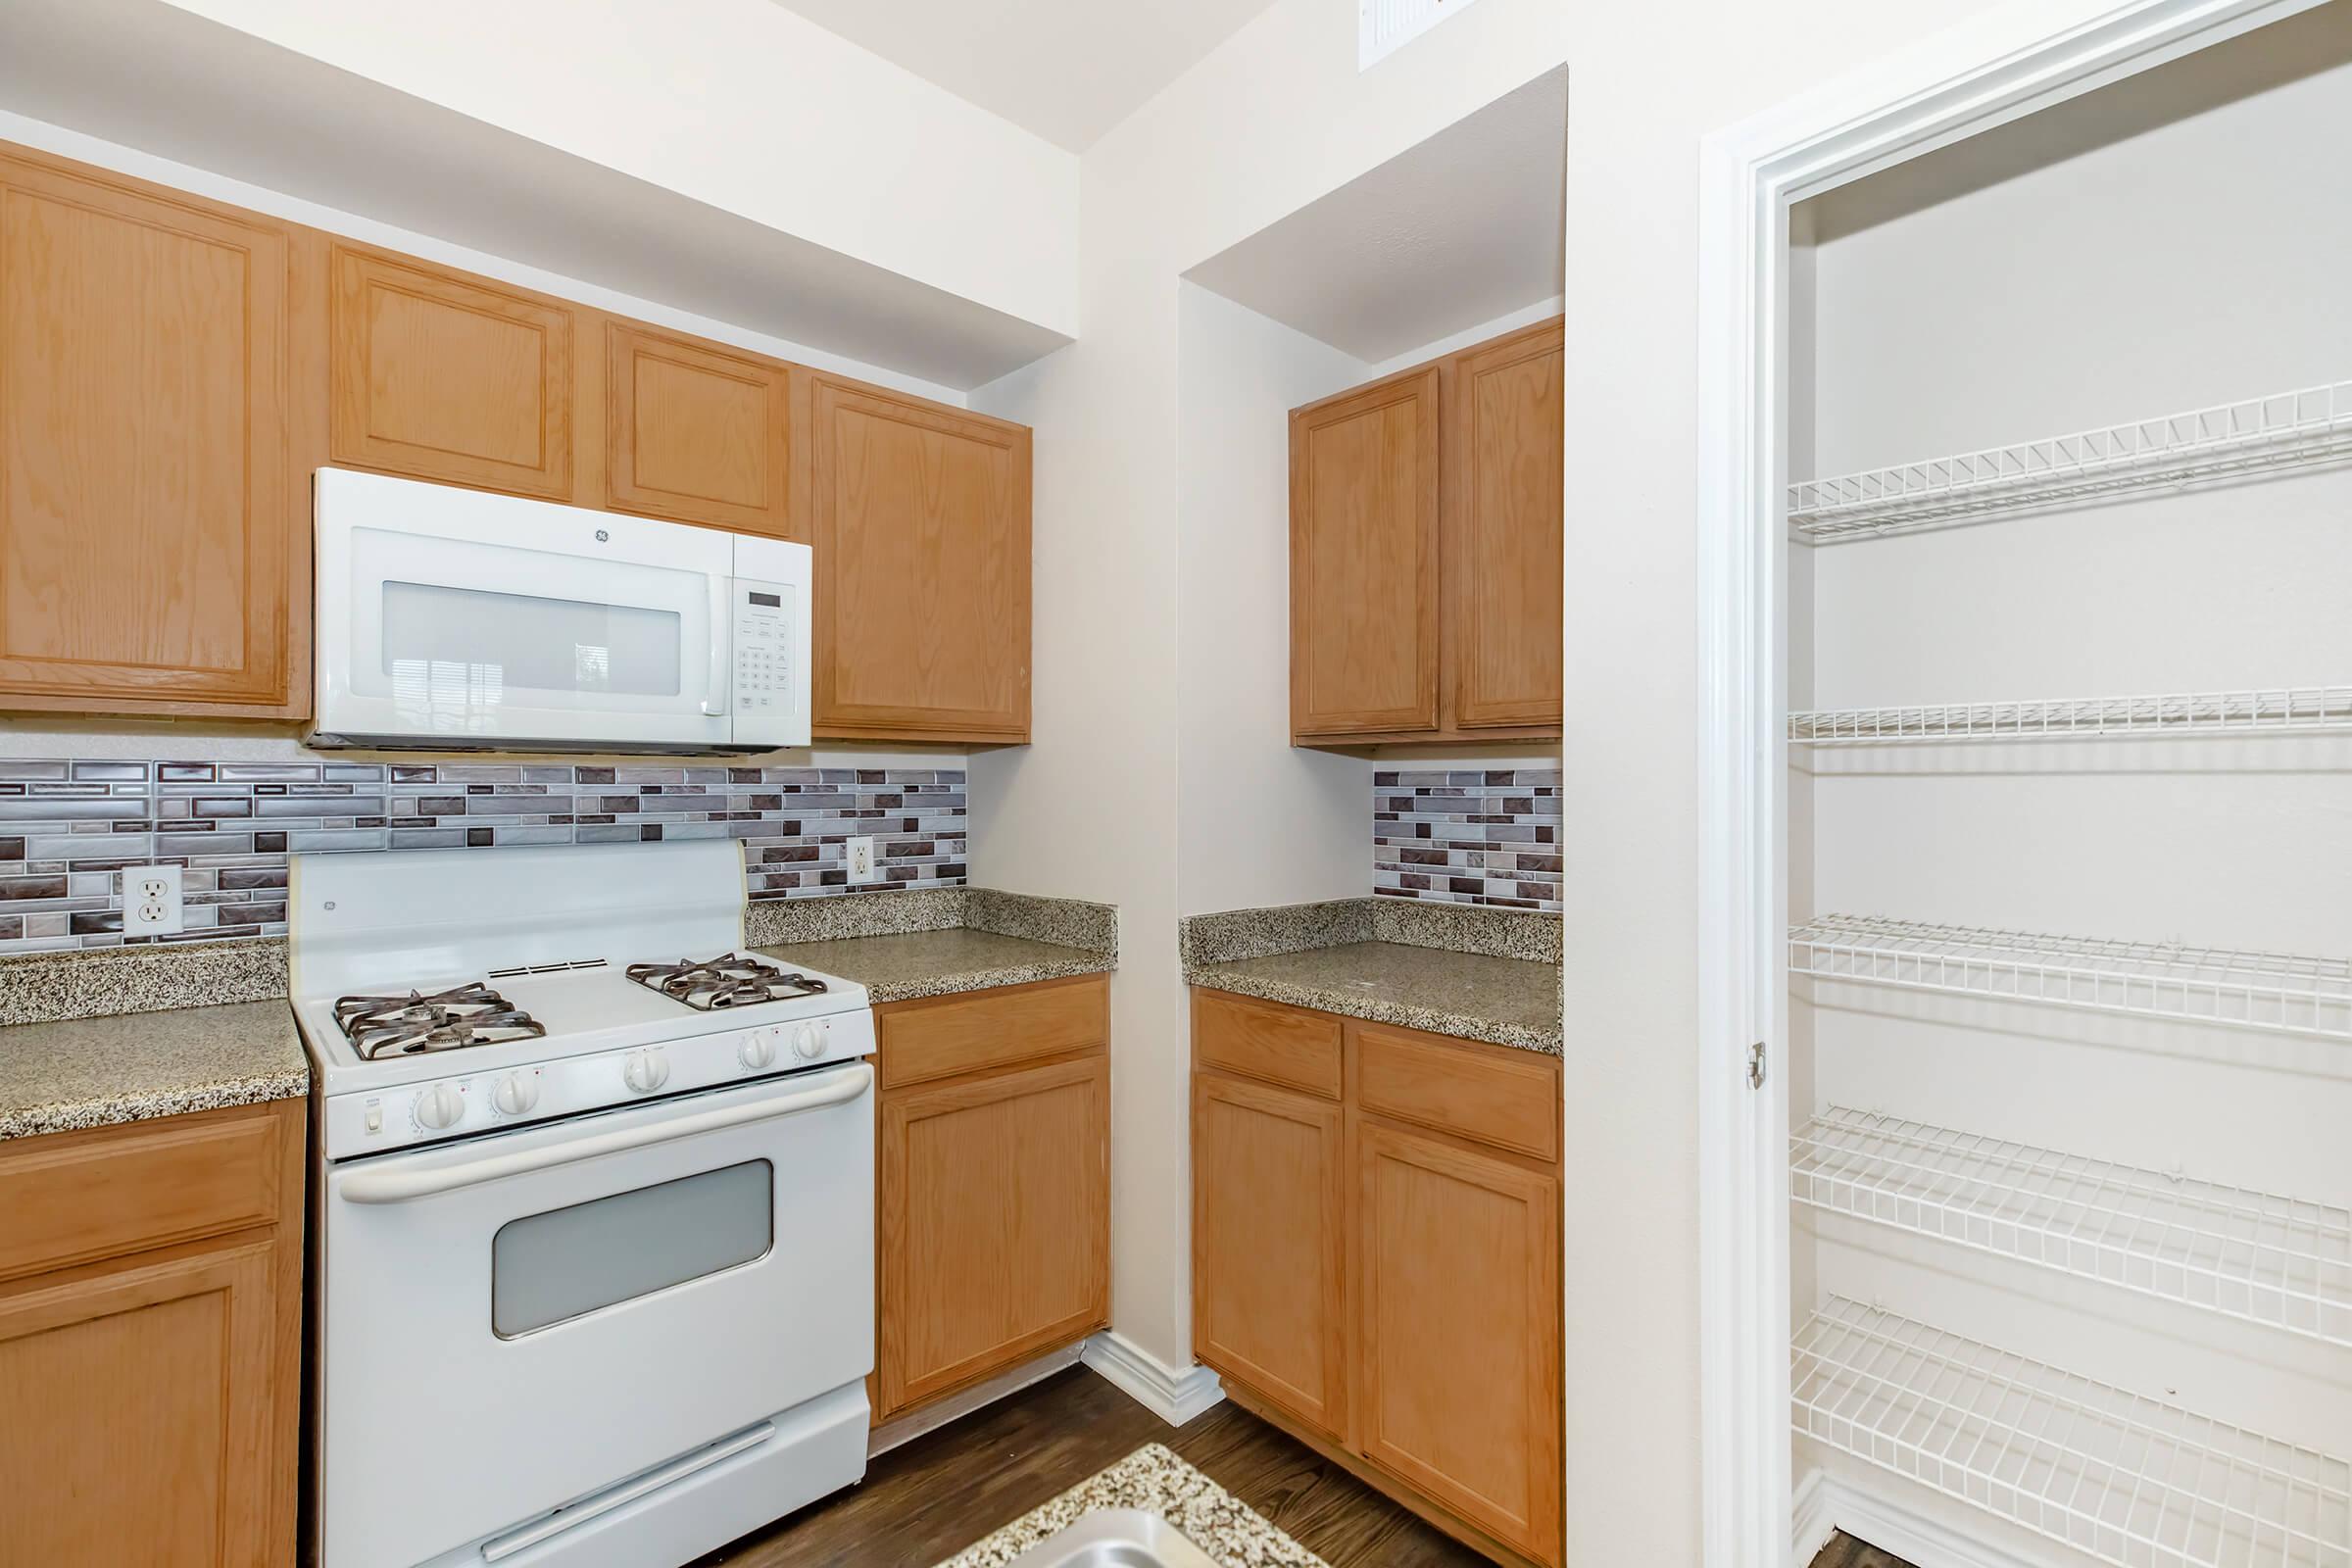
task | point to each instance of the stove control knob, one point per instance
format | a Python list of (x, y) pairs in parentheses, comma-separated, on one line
[(646, 1070), (439, 1107), (806, 1044), (758, 1048), (515, 1094)]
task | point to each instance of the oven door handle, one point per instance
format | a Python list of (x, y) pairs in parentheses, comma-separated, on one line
[(400, 1186)]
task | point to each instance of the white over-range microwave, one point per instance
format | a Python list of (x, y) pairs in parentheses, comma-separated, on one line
[(452, 619)]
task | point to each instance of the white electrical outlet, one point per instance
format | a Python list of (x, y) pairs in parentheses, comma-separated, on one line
[(150, 901), (860, 854)]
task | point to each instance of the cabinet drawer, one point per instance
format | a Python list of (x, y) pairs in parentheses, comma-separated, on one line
[(1497, 1096), (1281, 1045), (940, 1037), (77, 1198)]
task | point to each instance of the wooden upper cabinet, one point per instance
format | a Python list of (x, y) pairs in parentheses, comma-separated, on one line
[(695, 432), (153, 537), (1426, 551), (439, 374), (1364, 506), (1504, 531), (919, 516), (1457, 1286), (1270, 1245)]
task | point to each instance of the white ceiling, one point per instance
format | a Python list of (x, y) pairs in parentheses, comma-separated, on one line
[(1065, 70), (1458, 230), (153, 78)]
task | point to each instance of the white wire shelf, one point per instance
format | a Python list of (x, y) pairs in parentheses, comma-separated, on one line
[(2230, 440), (2265, 711), (2285, 993), (2259, 1257), (2127, 1479)]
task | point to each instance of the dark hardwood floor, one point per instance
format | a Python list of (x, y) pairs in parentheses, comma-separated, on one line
[(922, 1503), (928, 1501)]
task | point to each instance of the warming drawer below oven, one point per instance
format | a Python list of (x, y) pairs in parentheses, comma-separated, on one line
[(560, 1314)]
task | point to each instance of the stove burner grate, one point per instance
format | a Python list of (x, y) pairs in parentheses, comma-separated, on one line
[(730, 980), (408, 1025)]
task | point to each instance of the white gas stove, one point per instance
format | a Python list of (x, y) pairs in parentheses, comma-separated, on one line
[(594, 1216)]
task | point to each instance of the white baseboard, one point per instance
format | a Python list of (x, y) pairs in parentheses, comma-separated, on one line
[(1827, 1504), (1174, 1396), (1810, 1509), (931, 1417)]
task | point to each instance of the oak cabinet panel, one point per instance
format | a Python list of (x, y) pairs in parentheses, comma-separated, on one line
[(153, 1392), (945, 1036), (919, 516), (152, 536), (1270, 1245), (695, 432), (1504, 531), (1457, 1281), (1364, 560), (994, 1201), (441, 375), (1426, 550), (1389, 1292)]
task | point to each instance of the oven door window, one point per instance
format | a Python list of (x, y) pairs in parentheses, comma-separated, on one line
[(565, 1263)]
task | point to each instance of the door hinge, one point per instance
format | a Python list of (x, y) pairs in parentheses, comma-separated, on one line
[(1755, 1065)]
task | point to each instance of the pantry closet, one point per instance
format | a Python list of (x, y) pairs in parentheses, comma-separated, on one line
[(2070, 827)]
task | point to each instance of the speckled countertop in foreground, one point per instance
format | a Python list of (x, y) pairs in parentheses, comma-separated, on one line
[(934, 963), (1154, 1480), (1472, 996), (94, 1072)]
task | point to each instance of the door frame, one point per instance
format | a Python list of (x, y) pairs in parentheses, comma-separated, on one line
[(1988, 70)]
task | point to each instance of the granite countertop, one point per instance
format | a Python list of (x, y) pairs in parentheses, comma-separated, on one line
[(95, 1073), (1153, 1481), (1472, 996), (909, 964)]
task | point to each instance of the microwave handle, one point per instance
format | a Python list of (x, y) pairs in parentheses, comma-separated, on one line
[(394, 1186), (722, 645)]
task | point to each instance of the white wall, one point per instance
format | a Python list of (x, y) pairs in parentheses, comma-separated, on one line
[(1258, 821), (2162, 245), (740, 104)]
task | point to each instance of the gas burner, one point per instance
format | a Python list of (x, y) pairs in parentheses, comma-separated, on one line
[(404, 1026), (731, 980)]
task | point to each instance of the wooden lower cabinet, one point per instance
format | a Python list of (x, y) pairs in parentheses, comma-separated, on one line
[(1270, 1183), (1377, 1268), (153, 1397), (993, 1196), (1457, 1286)]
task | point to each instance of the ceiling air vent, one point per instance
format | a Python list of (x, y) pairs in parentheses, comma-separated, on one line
[(1383, 27)]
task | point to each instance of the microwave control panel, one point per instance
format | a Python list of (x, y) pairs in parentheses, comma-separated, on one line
[(765, 651)]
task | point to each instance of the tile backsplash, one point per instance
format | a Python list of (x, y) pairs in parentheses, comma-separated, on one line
[(66, 826), (1489, 835)]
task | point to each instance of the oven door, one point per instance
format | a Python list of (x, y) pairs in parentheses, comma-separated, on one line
[(516, 1322), (457, 616)]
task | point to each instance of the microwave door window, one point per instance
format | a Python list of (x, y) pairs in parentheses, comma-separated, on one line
[(450, 652)]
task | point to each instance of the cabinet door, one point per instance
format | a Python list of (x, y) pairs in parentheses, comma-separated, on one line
[(1457, 1279), (1364, 560), (141, 1429), (920, 520), (994, 1209), (441, 375), (150, 539), (1503, 531), (693, 432), (1269, 1245)]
